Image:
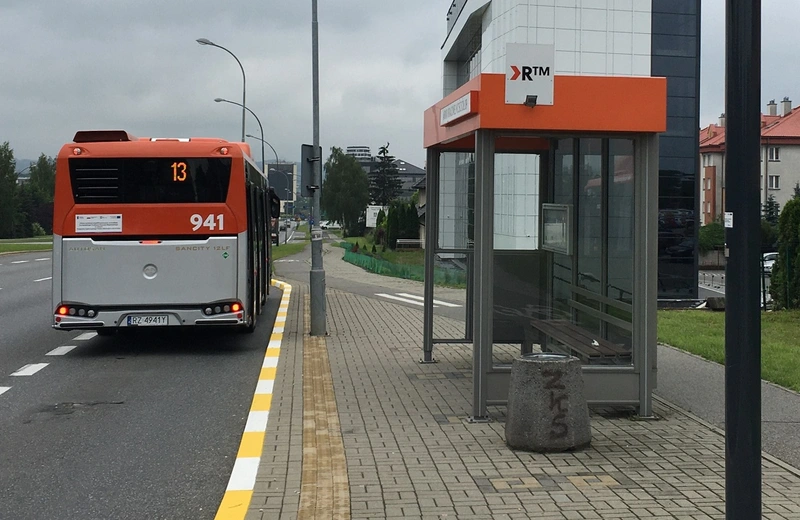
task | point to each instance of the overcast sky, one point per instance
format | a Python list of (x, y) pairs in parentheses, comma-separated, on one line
[(68, 65)]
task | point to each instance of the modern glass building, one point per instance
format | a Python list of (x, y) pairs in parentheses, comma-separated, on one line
[(591, 38)]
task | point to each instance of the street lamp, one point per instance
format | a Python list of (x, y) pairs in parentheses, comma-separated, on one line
[(221, 100), (204, 41), (288, 180), (262, 142), (17, 174)]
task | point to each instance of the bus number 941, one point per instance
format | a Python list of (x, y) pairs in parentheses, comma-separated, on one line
[(210, 222)]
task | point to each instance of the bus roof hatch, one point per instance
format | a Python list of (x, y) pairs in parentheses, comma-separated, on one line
[(100, 136)]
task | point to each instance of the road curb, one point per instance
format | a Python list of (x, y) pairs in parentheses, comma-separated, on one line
[(236, 500)]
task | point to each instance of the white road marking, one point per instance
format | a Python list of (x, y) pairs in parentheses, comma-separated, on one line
[(270, 362), (421, 298), (20, 262), (265, 386), (60, 351), (4, 389), (41, 260), (86, 336), (398, 298), (29, 370), (43, 279), (243, 476), (256, 422)]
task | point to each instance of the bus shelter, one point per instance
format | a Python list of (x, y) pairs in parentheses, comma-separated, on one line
[(550, 212)]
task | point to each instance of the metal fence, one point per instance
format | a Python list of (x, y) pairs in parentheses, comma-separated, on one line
[(442, 276)]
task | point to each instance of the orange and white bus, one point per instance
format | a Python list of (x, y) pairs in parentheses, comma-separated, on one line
[(158, 232)]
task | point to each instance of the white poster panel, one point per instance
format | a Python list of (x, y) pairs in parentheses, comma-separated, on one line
[(529, 72)]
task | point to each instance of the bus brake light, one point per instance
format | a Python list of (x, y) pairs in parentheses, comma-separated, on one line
[(62, 310), (236, 307), (149, 242)]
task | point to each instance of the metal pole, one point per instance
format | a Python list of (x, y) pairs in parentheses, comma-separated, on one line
[(743, 317), (431, 242), (317, 275)]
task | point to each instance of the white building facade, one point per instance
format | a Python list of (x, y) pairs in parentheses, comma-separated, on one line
[(591, 38)]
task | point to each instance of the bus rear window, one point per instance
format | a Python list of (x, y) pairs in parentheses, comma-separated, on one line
[(150, 180)]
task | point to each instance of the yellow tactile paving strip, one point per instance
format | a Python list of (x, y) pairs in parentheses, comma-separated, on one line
[(325, 488), (239, 493)]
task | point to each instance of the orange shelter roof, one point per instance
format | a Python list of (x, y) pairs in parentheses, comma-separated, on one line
[(582, 104)]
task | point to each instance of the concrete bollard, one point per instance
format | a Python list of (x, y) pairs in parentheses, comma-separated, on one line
[(547, 410)]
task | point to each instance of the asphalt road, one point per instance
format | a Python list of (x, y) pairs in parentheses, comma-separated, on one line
[(142, 425)]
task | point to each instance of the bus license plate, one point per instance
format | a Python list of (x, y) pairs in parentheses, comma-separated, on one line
[(146, 320)]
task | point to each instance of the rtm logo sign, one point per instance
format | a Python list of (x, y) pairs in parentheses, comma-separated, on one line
[(524, 79), (526, 72)]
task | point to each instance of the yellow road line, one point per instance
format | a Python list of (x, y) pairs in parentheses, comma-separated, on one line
[(236, 500)]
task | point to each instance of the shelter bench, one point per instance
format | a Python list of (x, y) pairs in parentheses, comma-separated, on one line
[(408, 243), (580, 342)]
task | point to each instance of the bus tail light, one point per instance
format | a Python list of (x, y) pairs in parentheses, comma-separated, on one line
[(80, 310), (222, 308), (149, 242)]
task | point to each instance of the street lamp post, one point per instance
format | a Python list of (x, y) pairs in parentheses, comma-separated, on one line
[(204, 41), (220, 100), (267, 142), (317, 274)]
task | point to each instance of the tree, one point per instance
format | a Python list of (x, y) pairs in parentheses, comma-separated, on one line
[(381, 217), (771, 210), (8, 191), (43, 177), (384, 184), (393, 225), (785, 278), (345, 192), (796, 190)]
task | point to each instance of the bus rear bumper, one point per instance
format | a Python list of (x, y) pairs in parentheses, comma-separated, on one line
[(130, 319)]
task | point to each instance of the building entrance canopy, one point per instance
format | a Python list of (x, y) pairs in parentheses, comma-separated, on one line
[(551, 214)]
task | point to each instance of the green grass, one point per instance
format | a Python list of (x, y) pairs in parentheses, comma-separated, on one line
[(703, 333), (22, 248), (48, 238), (285, 250)]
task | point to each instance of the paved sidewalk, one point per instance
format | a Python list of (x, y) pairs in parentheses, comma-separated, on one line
[(359, 429)]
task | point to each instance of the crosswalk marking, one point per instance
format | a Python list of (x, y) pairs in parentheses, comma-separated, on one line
[(399, 298), (43, 279), (29, 370), (421, 298), (41, 259), (4, 389), (60, 351), (21, 262), (86, 336)]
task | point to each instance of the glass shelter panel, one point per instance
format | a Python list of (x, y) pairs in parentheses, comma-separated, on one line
[(591, 289), (453, 255), (456, 200), (516, 201)]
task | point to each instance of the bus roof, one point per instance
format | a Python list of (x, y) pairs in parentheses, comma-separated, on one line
[(119, 136)]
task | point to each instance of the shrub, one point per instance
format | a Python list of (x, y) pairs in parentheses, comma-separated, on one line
[(711, 237), (38, 230)]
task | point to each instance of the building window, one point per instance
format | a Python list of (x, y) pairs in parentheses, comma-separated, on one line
[(774, 153), (774, 182)]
